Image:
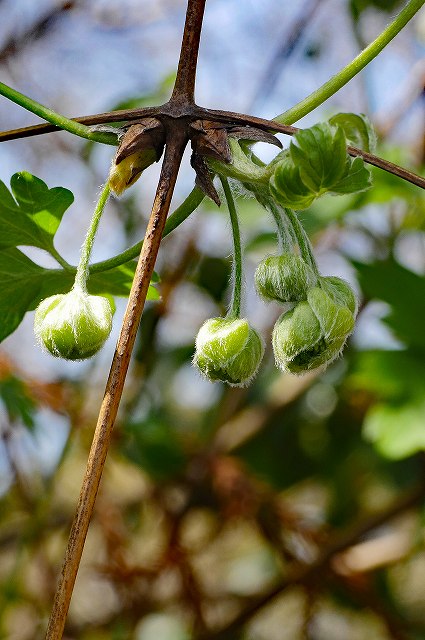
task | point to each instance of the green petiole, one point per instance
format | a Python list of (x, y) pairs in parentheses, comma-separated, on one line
[(57, 119), (178, 216)]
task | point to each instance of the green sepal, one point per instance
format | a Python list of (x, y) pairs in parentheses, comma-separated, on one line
[(284, 278), (228, 350), (340, 292), (312, 334), (335, 320)]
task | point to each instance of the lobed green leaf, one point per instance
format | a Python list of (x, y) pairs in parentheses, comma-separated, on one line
[(30, 213), (358, 130), (318, 163)]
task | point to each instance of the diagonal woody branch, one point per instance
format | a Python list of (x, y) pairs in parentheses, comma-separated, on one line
[(115, 384), (176, 135)]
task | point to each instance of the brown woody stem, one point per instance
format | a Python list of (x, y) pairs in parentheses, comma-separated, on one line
[(184, 88), (228, 117), (115, 384)]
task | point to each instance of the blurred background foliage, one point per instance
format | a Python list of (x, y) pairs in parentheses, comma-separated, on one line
[(294, 506)]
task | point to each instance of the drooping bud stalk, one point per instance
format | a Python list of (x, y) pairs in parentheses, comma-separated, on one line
[(76, 325), (284, 278), (302, 238), (228, 350), (235, 307), (140, 146), (82, 274)]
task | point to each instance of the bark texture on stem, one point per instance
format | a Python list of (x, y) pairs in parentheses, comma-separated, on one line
[(184, 88), (115, 384)]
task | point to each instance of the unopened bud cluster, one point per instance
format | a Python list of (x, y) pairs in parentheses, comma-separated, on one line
[(313, 332), (319, 312), (308, 335)]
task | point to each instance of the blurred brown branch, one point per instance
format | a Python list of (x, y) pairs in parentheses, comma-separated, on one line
[(300, 573), (37, 30)]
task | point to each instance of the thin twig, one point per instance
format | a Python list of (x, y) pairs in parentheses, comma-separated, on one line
[(387, 166), (108, 117), (37, 30), (130, 115), (114, 387)]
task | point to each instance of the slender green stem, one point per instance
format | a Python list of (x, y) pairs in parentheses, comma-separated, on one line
[(178, 216), (72, 126), (235, 307), (83, 266), (63, 263), (284, 236), (353, 68), (302, 239)]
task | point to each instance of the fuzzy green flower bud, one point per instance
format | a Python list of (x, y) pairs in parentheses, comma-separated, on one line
[(228, 350), (284, 278), (74, 325), (312, 334), (124, 174), (340, 292), (140, 146)]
